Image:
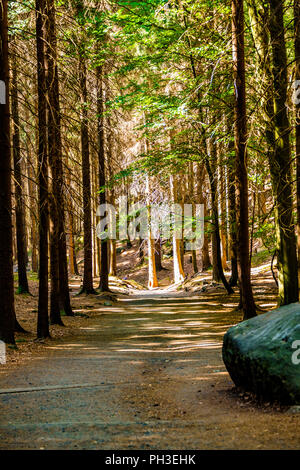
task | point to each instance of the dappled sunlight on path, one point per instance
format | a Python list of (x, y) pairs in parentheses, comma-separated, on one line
[(144, 371)]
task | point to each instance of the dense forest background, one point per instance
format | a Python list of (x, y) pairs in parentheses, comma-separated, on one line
[(184, 101)]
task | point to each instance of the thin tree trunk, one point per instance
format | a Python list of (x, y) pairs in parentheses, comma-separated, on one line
[(43, 321), (20, 219), (33, 225), (205, 249), (87, 286), (7, 309), (112, 243), (103, 284), (71, 241), (215, 223), (177, 264), (232, 211), (223, 215), (59, 299), (152, 279), (141, 250), (246, 294), (192, 201), (211, 169), (157, 248)]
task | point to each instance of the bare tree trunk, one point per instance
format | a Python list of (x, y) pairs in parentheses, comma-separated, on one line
[(71, 241), (7, 310), (211, 169), (246, 294), (103, 284), (60, 298), (87, 286), (232, 211), (20, 218), (222, 208), (215, 223), (192, 201), (281, 165), (141, 250), (177, 264), (43, 321), (33, 225), (205, 249), (157, 248), (152, 279)]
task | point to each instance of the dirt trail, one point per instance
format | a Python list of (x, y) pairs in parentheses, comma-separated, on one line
[(145, 373)]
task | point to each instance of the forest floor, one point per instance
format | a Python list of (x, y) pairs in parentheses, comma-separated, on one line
[(141, 370)]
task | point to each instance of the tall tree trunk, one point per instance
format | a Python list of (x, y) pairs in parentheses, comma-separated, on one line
[(87, 286), (43, 321), (223, 215), (266, 22), (282, 168), (246, 294), (205, 249), (152, 277), (33, 212), (112, 243), (192, 201), (55, 299), (215, 223), (60, 298), (20, 219), (202, 199), (232, 210), (211, 169), (71, 244), (7, 309), (103, 284), (297, 106), (62, 243), (177, 264), (70, 217)]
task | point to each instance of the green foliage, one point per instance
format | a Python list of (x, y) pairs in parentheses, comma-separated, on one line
[(266, 232), (261, 257)]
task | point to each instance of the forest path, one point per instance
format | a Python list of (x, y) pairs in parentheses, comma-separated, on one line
[(145, 373)]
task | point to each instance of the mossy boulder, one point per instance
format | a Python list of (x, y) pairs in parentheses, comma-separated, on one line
[(261, 355)]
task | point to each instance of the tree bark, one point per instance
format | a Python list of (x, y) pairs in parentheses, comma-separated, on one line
[(157, 255), (103, 284), (215, 223), (246, 295), (232, 210), (60, 298), (43, 321), (297, 109), (19, 200), (7, 309), (152, 277), (281, 164), (177, 264), (87, 286)]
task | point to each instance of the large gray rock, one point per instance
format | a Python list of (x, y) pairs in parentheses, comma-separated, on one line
[(259, 356)]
